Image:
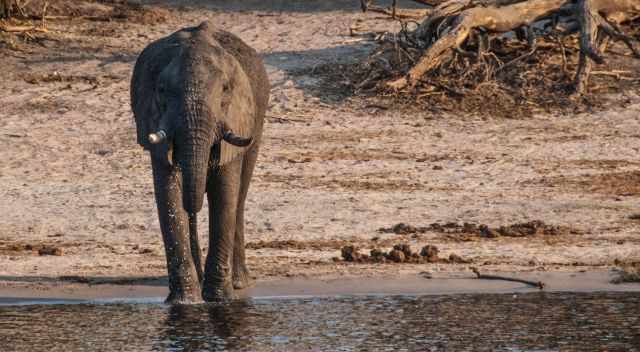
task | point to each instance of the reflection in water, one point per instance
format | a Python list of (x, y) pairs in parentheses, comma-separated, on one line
[(530, 322), (214, 327)]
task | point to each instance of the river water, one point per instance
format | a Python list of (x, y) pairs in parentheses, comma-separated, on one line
[(465, 322)]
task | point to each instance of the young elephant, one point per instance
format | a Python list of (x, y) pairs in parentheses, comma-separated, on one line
[(199, 98)]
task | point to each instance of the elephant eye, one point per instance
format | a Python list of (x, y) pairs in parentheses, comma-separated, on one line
[(226, 87)]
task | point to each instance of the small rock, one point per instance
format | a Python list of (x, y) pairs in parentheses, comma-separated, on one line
[(430, 252), (437, 167), (17, 247), (486, 231), (146, 251), (469, 228), (403, 229), (404, 248), (396, 256), (50, 251), (426, 275), (350, 254), (377, 255), (103, 152)]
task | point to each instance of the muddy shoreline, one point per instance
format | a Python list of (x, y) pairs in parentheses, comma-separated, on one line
[(153, 290)]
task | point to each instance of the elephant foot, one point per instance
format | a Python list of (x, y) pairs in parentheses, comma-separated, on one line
[(241, 278), (218, 292), (182, 298)]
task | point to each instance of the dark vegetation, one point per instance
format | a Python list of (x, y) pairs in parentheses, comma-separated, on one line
[(503, 57)]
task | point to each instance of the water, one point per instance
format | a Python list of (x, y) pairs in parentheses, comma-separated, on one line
[(526, 322)]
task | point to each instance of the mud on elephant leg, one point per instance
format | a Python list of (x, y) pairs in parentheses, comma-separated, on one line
[(241, 275), (184, 286), (223, 190)]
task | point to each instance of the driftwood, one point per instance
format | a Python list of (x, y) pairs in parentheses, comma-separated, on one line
[(366, 4), (453, 24), (399, 14), (538, 284), (21, 29)]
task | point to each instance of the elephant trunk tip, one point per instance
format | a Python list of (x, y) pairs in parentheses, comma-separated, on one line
[(194, 173)]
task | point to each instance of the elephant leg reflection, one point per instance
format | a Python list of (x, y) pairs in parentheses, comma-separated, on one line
[(241, 276), (184, 286), (184, 330), (223, 191)]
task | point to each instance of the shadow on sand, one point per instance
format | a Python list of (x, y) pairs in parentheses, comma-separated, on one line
[(91, 280), (293, 6), (321, 73)]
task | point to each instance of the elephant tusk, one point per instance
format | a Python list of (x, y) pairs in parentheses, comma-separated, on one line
[(158, 137), (238, 141)]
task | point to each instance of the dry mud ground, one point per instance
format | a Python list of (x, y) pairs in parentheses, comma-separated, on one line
[(334, 169)]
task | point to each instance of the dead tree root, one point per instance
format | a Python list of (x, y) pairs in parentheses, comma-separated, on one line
[(455, 25)]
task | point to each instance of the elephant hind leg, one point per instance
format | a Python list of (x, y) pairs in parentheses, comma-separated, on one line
[(241, 275)]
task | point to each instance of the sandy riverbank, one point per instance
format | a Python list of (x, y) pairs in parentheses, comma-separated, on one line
[(333, 171)]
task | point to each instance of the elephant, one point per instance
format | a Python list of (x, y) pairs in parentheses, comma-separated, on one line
[(199, 97)]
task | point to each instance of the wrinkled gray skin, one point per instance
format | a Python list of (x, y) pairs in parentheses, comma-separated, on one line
[(208, 91)]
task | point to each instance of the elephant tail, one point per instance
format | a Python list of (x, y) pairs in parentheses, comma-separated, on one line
[(195, 245)]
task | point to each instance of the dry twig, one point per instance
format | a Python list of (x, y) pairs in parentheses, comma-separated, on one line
[(538, 284)]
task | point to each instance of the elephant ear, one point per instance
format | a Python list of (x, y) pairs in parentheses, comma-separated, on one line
[(153, 59), (238, 112)]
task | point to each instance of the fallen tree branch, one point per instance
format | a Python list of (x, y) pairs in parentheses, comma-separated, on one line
[(539, 284), (451, 25), (21, 29), (365, 5), (494, 19), (400, 14)]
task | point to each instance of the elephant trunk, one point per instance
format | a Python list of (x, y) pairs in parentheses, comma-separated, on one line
[(193, 159), (194, 151)]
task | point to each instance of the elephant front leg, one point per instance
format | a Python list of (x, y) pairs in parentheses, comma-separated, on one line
[(184, 286), (223, 189), (241, 275)]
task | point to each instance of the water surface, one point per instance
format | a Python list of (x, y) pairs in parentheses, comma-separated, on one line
[(480, 322)]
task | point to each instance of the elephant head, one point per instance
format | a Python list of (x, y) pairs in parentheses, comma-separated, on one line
[(202, 109)]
